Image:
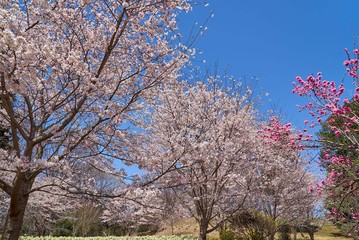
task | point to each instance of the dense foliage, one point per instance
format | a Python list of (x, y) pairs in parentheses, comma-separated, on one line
[(340, 145)]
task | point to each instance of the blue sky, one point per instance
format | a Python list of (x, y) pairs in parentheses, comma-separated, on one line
[(277, 40)]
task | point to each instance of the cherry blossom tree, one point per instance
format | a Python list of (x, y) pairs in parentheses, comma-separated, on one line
[(202, 142), (71, 72), (139, 207), (42, 211), (284, 184), (172, 211), (336, 106)]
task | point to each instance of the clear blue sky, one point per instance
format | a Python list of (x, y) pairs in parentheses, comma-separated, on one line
[(277, 40)]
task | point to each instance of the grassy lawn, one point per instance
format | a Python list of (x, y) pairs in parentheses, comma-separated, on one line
[(112, 238), (327, 232), (190, 227), (186, 227)]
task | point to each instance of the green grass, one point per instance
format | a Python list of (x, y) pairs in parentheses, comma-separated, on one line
[(327, 232)]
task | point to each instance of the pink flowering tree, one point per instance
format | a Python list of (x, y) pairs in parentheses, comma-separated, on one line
[(71, 73), (202, 142), (337, 106)]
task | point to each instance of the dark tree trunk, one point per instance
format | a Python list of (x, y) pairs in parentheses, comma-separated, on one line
[(203, 227), (16, 212), (311, 235), (294, 233), (272, 235)]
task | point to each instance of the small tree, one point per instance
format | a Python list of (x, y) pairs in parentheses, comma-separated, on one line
[(87, 220), (172, 211)]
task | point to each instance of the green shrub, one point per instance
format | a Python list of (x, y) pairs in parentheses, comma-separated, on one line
[(285, 230), (251, 225), (63, 228), (227, 235), (147, 229)]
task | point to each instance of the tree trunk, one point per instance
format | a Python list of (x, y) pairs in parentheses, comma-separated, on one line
[(311, 235), (16, 212), (272, 235), (294, 233), (203, 226), (172, 228)]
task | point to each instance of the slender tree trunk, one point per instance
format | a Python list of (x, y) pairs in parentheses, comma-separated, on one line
[(16, 212), (172, 228)]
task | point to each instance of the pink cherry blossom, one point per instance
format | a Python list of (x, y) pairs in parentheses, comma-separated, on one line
[(72, 74)]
